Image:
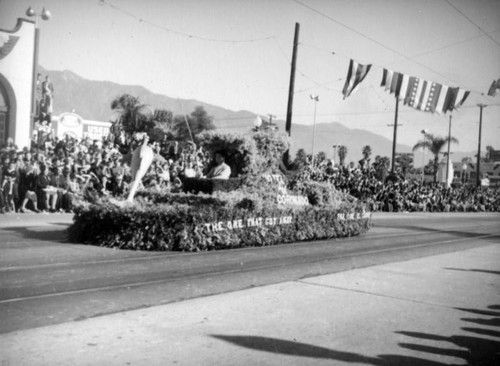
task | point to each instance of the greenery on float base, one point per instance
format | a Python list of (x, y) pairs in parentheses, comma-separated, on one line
[(190, 226), (162, 221)]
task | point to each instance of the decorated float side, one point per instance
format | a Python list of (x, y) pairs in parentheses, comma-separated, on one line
[(260, 204)]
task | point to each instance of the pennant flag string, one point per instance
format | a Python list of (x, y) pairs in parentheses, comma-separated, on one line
[(422, 94)]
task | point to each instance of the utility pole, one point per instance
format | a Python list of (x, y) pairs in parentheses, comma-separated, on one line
[(315, 98), (394, 136), (288, 125), (448, 156), (478, 180)]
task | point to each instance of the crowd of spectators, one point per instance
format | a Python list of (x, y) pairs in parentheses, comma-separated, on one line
[(53, 173), (394, 193)]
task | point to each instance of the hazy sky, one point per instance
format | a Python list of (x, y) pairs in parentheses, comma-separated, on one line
[(237, 54)]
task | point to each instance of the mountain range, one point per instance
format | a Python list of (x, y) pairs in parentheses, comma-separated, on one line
[(92, 100)]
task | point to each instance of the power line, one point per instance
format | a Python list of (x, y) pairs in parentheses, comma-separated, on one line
[(186, 35), (317, 84), (406, 111), (452, 44), (473, 23), (440, 48), (322, 85), (376, 41)]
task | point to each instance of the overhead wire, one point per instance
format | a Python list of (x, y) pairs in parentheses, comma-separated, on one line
[(183, 34), (317, 84), (472, 22), (380, 43), (303, 74)]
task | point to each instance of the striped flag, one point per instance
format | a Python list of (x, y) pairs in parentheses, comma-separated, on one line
[(422, 94), (387, 79), (432, 101), (355, 75)]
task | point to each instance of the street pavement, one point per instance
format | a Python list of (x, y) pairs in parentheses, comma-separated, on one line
[(437, 310)]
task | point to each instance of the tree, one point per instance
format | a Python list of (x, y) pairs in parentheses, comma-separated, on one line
[(342, 154), (162, 130), (320, 157), (404, 161), (489, 150), (130, 116), (434, 144), (187, 127), (466, 160), (163, 119)]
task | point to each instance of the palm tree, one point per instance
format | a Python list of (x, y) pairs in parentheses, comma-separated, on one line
[(434, 144), (320, 157), (130, 115), (342, 154), (466, 160)]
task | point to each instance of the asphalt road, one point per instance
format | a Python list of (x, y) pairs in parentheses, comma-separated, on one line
[(46, 280)]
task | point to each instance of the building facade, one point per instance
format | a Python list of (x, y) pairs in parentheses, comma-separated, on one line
[(75, 126), (467, 173), (17, 69)]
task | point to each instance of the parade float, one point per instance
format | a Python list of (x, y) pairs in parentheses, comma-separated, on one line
[(261, 204)]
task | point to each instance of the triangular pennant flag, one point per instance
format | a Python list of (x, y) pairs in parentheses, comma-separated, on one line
[(461, 97), (355, 75), (494, 88)]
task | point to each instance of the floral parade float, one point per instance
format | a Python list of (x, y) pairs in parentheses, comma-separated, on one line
[(261, 204)]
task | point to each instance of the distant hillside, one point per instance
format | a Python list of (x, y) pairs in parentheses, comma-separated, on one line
[(92, 99)]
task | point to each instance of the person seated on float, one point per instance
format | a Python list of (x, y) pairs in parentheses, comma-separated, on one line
[(221, 170)]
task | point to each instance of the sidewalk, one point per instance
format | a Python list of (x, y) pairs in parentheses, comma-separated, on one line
[(441, 310)]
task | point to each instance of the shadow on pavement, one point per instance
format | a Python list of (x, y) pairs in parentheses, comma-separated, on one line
[(292, 348), (473, 270), (55, 233), (493, 322), (479, 345), (475, 350)]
